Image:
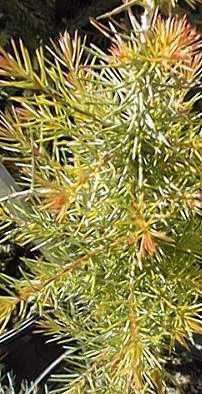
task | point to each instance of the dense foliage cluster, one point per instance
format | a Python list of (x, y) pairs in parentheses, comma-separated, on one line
[(106, 152)]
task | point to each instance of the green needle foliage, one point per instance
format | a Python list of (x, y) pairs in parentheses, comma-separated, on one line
[(107, 152)]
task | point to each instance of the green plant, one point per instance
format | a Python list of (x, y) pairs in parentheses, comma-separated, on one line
[(108, 154)]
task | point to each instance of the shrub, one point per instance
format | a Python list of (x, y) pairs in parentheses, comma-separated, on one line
[(107, 153)]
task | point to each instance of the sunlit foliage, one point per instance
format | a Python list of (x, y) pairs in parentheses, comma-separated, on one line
[(107, 152)]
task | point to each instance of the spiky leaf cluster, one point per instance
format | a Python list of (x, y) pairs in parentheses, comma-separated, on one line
[(108, 155)]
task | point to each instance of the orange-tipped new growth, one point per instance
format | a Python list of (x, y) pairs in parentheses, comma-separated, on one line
[(174, 42), (171, 42)]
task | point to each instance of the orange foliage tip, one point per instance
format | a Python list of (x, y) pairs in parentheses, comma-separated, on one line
[(174, 40), (147, 245), (171, 41), (57, 202)]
